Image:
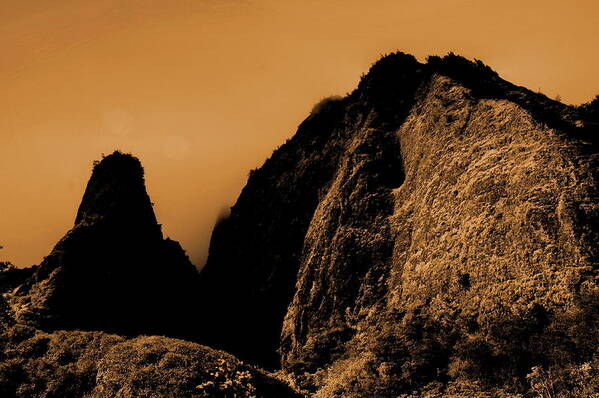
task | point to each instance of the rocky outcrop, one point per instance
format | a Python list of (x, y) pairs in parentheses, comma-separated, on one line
[(437, 225), (113, 271)]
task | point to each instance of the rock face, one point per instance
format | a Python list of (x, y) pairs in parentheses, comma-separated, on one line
[(438, 225), (255, 253), (113, 271)]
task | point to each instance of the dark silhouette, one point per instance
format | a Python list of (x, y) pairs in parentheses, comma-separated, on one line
[(114, 271)]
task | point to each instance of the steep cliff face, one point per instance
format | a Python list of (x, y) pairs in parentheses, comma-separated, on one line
[(489, 267), (113, 271), (437, 225), (255, 253)]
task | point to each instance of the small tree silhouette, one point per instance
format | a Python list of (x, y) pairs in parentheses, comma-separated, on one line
[(5, 265)]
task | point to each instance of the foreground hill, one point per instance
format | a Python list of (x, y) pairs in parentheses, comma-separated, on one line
[(437, 227), (100, 365)]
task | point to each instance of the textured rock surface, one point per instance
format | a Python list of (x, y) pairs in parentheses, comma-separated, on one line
[(255, 253), (98, 365), (437, 225), (113, 271)]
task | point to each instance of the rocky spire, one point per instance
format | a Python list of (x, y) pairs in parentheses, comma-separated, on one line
[(116, 191), (114, 271)]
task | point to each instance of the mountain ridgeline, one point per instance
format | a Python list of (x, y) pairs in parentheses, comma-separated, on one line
[(433, 233)]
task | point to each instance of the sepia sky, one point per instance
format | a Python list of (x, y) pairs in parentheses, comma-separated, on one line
[(203, 90)]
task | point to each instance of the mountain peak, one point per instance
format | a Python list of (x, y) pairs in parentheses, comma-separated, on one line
[(113, 271), (427, 227), (116, 192)]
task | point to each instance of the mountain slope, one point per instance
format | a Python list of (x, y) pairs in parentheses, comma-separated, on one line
[(437, 225)]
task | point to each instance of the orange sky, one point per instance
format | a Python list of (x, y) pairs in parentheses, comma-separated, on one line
[(202, 91)]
